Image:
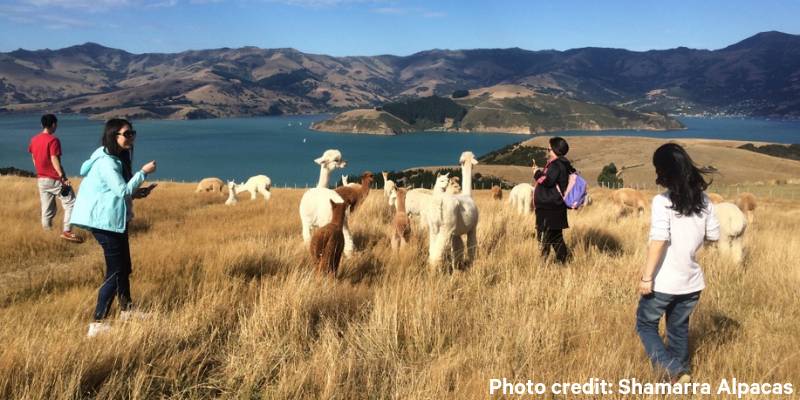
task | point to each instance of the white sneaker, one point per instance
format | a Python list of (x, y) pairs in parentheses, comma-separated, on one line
[(133, 315), (97, 328)]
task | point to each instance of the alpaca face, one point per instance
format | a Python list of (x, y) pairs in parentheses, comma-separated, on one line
[(367, 178), (331, 159), (441, 183), (467, 158)]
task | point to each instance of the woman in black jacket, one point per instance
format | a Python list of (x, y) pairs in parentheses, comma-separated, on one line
[(551, 211)]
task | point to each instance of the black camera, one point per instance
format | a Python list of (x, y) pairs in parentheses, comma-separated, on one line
[(66, 190)]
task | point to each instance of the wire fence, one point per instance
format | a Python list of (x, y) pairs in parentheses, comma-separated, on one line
[(781, 191)]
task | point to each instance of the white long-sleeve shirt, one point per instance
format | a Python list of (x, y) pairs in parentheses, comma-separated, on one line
[(678, 271)]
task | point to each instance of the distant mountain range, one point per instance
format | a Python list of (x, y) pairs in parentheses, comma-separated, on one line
[(759, 76)]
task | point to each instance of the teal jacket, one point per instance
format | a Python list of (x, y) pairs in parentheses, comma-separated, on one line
[(104, 198)]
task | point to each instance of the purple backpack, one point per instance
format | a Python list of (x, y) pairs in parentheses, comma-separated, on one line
[(575, 194)]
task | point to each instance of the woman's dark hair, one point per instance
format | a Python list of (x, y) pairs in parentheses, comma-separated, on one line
[(109, 141), (676, 171), (49, 121), (559, 146)]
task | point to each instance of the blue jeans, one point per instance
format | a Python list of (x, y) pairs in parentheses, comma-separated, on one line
[(117, 252), (674, 357)]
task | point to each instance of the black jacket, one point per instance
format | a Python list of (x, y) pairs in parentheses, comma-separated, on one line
[(556, 172)]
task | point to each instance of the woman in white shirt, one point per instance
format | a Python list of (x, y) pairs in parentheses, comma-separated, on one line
[(682, 218)]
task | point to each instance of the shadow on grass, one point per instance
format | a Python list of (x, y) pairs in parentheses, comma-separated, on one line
[(601, 240), (254, 266), (715, 330)]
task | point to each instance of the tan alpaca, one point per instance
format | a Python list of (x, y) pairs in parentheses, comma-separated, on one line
[(401, 225), (327, 243), (210, 185), (732, 226), (715, 198), (497, 193), (747, 203), (453, 186), (355, 194), (626, 199)]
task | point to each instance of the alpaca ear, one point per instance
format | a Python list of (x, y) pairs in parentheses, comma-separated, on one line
[(474, 161), (319, 160)]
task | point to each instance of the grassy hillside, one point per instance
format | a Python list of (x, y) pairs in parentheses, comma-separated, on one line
[(501, 108), (589, 154), (238, 313)]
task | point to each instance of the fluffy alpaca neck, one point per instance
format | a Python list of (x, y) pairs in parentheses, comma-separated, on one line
[(364, 190), (324, 174), (337, 220), (439, 189), (466, 178), (401, 203)]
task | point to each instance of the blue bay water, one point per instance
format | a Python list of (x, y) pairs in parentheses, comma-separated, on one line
[(283, 147)]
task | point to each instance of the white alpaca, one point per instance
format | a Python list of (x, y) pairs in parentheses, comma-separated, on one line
[(416, 200), (389, 190), (255, 184), (521, 198), (388, 185), (451, 216), (231, 194), (315, 207), (732, 224)]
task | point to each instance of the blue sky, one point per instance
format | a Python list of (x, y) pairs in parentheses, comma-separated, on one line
[(370, 27)]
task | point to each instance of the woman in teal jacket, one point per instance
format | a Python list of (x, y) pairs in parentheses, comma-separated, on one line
[(104, 207)]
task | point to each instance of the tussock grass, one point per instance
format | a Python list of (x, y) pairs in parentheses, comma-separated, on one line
[(238, 312)]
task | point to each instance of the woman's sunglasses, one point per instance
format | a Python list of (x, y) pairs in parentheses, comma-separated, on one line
[(128, 134)]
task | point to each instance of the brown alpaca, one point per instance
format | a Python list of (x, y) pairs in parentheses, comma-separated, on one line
[(715, 198), (627, 198), (356, 194), (497, 193), (327, 243), (747, 203), (401, 225)]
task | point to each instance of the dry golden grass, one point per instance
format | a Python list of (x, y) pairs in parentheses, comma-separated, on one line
[(239, 313)]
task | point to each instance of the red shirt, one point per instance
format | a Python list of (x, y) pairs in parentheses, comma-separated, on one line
[(42, 147)]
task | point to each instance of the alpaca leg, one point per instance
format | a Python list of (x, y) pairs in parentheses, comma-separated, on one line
[(437, 249), (348, 240), (736, 251), (306, 231), (252, 193), (458, 251), (265, 193), (724, 247), (472, 245)]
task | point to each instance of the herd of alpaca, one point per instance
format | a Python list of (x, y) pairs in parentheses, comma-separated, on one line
[(448, 211), (733, 217)]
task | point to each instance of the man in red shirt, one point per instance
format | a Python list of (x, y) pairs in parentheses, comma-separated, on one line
[(45, 149)]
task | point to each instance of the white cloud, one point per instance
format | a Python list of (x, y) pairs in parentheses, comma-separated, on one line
[(25, 14)]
